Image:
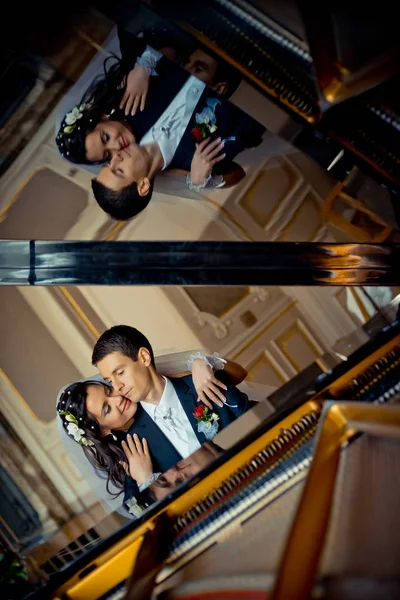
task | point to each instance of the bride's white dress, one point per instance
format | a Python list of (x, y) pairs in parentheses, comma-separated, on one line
[(167, 365)]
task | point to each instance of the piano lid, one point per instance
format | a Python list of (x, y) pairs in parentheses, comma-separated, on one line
[(329, 69)]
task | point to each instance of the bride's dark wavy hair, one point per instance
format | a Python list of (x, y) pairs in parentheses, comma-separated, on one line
[(105, 454), (103, 97)]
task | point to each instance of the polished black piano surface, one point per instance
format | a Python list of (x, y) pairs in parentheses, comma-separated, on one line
[(332, 68)]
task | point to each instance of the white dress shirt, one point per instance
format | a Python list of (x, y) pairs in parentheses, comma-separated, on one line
[(168, 131), (149, 60), (171, 418)]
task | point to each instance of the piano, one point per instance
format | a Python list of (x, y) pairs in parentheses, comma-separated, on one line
[(230, 520), (332, 70)]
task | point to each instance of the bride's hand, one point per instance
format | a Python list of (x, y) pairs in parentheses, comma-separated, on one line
[(206, 156), (137, 85), (207, 385), (139, 465)]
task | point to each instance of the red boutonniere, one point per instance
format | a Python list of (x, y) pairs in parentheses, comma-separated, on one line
[(206, 421), (203, 131), (199, 411), (206, 121)]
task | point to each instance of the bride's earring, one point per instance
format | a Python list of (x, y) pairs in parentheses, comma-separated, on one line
[(114, 437)]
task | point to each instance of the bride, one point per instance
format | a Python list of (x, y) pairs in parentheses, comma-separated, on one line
[(104, 466)]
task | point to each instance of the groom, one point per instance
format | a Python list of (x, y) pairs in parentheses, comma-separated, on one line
[(180, 112), (163, 410)]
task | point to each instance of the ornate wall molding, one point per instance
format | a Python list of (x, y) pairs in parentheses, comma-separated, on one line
[(219, 328)]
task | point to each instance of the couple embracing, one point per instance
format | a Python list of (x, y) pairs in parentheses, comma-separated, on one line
[(134, 423), (152, 115)]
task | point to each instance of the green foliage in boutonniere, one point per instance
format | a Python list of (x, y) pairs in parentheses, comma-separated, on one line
[(206, 421), (206, 121)]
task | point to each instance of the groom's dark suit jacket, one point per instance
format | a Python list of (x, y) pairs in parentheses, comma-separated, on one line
[(163, 454), (231, 121)]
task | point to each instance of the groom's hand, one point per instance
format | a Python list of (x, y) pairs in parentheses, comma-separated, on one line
[(206, 156), (139, 465)]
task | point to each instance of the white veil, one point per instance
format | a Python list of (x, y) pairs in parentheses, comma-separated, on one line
[(75, 93), (167, 364), (94, 478)]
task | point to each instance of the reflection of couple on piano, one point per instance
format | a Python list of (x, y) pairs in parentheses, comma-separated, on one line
[(164, 415), (143, 118), (184, 470)]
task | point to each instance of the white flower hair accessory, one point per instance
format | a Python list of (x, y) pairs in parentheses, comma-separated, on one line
[(134, 507), (74, 429), (73, 117)]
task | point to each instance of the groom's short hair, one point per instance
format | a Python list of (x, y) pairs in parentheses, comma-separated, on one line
[(123, 204), (124, 339)]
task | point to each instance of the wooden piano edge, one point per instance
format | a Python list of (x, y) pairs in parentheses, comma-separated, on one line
[(334, 389)]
